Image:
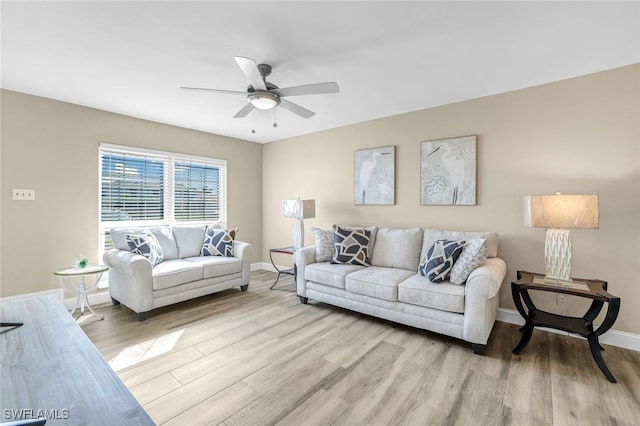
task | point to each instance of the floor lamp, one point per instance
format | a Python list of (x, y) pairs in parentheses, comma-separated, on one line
[(298, 210), (557, 213)]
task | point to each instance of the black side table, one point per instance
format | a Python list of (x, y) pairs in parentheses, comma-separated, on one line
[(596, 290), (284, 250)]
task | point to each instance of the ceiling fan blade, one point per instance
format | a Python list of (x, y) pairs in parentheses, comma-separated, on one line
[(202, 89), (309, 89), (250, 69), (244, 111), (296, 109)]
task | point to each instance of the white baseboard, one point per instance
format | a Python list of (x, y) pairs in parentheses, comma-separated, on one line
[(58, 292), (269, 267), (621, 339)]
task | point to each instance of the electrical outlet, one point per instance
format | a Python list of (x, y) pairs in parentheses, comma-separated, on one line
[(24, 194)]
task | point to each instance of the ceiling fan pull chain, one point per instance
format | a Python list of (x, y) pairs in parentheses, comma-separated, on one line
[(275, 121), (253, 126)]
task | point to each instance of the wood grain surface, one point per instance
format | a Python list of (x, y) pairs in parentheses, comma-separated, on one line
[(262, 358), (50, 367)]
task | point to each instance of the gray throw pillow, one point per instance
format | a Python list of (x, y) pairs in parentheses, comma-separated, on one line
[(473, 255), (324, 244)]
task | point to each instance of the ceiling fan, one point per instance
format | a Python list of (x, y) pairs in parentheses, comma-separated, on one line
[(264, 95)]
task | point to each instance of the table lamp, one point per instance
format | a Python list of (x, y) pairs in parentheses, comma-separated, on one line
[(558, 212), (298, 210)]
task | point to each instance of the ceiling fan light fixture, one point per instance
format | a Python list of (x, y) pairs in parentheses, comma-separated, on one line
[(263, 100)]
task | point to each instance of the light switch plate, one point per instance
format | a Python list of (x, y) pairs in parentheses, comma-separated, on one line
[(23, 194)]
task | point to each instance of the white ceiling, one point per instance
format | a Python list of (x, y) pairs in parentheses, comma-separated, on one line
[(388, 57)]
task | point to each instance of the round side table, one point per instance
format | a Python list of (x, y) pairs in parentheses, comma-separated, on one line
[(72, 279)]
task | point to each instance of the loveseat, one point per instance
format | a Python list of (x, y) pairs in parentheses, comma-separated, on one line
[(159, 266), (392, 287)]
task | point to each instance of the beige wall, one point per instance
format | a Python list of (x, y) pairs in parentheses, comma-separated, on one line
[(52, 147), (575, 136)]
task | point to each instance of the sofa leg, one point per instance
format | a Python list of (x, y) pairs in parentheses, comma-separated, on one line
[(478, 349), (244, 287), (115, 302), (142, 316), (304, 300)]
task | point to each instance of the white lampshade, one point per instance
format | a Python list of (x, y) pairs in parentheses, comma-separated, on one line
[(561, 211), (299, 209), (556, 212)]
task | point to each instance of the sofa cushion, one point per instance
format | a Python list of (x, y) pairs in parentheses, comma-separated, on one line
[(351, 246), (215, 266), (439, 260), (217, 242), (418, 290), (329, 274), (433, 235), (397, 248), (473, 255), (378, 282), (324, 244), (163, 234), (189, 239), (145, 244), (372, 229), (175, 272)]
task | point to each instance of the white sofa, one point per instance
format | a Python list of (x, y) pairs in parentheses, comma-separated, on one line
[(183, 274), (391, 287)]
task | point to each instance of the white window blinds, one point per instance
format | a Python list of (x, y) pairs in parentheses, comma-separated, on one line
[(142, 188), (133, 187), (199, 190)]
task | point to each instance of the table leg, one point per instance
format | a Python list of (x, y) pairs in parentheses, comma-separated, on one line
[(594, 345), (527, 332), (277, 270), (86, 300)]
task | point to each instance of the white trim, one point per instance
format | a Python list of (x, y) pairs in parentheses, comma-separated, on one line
[(94, 299), (267, 266), (621, 339), (257, 266), (58, 292)]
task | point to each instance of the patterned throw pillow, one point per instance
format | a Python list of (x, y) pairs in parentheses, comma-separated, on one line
[(147, 245), (473, 255), (351, 246), (324, 244), (440, 259), (218, 242)]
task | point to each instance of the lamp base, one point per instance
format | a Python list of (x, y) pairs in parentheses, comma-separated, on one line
[(558, 282), (557, 255), (298, 234)]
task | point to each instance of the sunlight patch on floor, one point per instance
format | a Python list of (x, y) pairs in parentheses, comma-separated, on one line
[(146, 350)]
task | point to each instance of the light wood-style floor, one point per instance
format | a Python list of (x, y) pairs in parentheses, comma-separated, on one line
[(261, 357)]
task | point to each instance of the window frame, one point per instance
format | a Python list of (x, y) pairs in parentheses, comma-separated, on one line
[(169, 159)]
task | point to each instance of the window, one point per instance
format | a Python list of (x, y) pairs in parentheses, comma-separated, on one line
[(145, 188)]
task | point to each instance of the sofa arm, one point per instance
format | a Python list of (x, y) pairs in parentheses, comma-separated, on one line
[(130, 279), (243, 251), (481, 300), (127, 262), (302, 257)]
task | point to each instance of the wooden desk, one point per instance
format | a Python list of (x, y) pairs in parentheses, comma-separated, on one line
[(49, 366)]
